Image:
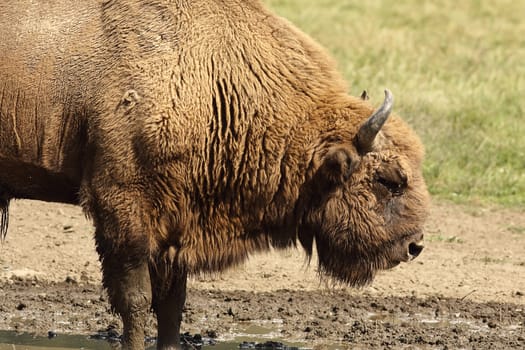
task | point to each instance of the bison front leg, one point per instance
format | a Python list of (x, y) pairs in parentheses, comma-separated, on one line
[(129, 290), (123, 246), (132, 302), (168, 308)]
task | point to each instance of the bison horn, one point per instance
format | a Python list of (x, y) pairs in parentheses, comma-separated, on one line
[(368, 131)]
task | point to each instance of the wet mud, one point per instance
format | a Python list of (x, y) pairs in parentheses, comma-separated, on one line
[(314, 319)]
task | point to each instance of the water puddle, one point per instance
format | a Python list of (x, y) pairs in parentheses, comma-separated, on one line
[(10, 340), (262, 335), (22, 341)]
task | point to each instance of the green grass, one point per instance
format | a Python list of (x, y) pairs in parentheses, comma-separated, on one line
[(519, 230), (441, 238), (489, 260), (457, 70)]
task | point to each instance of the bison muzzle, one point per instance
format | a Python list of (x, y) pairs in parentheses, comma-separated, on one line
[(195, 133)]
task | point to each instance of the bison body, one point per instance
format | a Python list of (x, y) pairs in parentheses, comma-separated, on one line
[(194, 133)]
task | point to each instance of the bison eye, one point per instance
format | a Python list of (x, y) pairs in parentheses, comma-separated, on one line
[(396, 186)]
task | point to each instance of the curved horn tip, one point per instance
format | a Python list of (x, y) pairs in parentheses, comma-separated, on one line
[(368, 131), (389, 98)]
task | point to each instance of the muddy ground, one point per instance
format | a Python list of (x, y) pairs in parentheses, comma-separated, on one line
[(466, 290)]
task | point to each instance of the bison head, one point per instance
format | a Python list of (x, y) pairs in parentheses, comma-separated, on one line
[(367, 200)]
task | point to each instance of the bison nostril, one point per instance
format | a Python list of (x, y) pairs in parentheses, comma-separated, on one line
[(414, 249)]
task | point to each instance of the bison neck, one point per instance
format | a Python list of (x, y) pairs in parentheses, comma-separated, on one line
[(246, 202)]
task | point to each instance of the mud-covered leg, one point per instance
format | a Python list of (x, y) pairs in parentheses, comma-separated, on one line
[(130, 296), (122, 238), (169, 313), (129, 290), (136, 287)]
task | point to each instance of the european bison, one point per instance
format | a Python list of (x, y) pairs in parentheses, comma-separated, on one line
[(195, 133)]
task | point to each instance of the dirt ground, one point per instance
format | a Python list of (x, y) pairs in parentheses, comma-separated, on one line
[(466, 290)]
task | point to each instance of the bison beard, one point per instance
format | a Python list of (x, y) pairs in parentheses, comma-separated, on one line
[(195, 133)]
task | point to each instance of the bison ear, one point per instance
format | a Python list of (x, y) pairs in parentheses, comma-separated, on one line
[(337, 165)]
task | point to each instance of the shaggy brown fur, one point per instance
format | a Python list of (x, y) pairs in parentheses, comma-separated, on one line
[(195, 133)]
